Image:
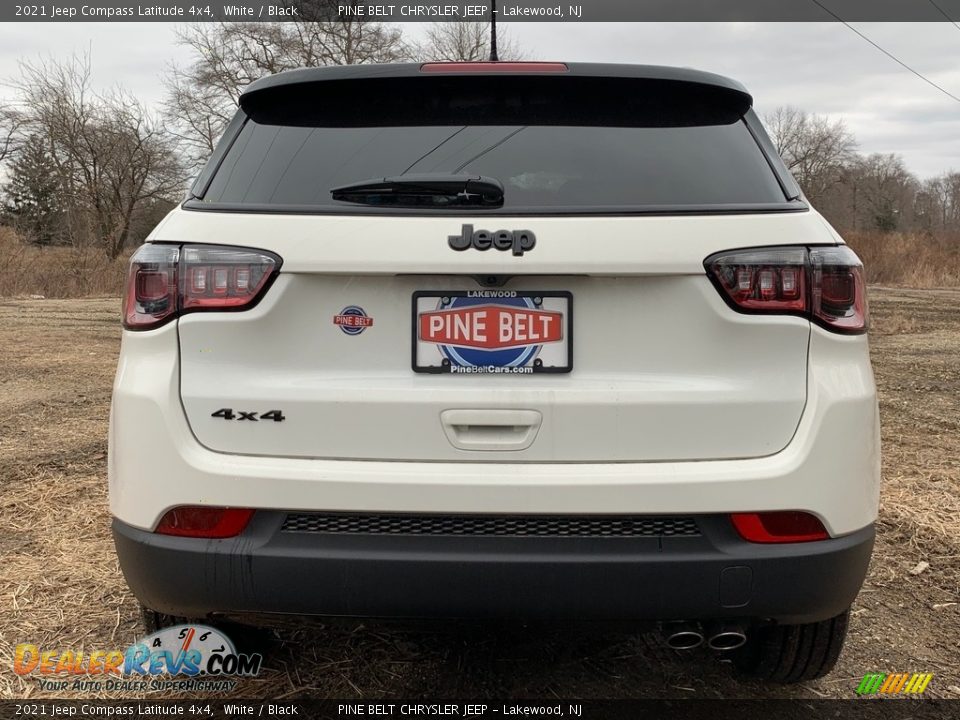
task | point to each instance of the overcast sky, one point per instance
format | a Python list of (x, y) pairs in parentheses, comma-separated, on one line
[(820, 67)]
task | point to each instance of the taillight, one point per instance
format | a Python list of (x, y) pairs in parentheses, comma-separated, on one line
[(204, 522), (166, 281), (838, 297), (150, 298), (824, 284), (779, 527), (489, 66), (220, 278)]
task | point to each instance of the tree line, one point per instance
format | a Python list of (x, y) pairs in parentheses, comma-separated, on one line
[(858, 192), (87, 168)]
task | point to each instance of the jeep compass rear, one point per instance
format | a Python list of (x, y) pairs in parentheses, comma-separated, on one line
[(502, 341)]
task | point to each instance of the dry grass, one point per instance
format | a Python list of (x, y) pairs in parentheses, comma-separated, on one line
[(910, 260), (61, 587), (56, 272), (917, 365)]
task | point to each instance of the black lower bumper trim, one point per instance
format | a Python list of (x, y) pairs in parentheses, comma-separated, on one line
[(713, 575)]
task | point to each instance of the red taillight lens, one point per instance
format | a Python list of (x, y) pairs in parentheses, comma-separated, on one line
[(839, 291), (168, 280), (779, 527), (492, 67), (204, 522), (824, 284), (221, 278), (766, 280), (150, 298)]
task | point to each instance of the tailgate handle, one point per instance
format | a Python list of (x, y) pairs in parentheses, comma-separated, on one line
[(491, 429)]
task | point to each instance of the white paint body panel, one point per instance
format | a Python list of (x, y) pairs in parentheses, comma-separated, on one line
[(677, 404), (657, 353), (644, 375)]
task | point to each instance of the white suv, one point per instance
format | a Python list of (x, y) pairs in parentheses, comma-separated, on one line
[(500, 340)]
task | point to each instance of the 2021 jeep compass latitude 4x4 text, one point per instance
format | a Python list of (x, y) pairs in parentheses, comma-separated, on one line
[(500, 340)]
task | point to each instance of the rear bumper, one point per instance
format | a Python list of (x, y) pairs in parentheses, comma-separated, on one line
[(712, 575)]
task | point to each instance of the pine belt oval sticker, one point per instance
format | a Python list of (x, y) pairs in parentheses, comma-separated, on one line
[(353, 320)]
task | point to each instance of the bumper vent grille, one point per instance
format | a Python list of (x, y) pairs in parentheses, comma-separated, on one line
[(493, 525)]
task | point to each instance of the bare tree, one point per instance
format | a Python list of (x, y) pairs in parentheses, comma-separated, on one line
[(942, 197), (203, 96), (111, 156), (141, 167), (933, 203), (11, 122), (814, 148), (466, 42), (952, 209), (888, 191)]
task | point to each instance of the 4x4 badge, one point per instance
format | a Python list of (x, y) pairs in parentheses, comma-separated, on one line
[(519, 241)]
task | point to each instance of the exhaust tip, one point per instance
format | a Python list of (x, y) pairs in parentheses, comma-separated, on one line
[(684, 637), (727, 639)]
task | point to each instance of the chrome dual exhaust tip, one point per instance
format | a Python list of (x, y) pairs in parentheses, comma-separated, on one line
[(718, 636), (726, 636), (684, 636)]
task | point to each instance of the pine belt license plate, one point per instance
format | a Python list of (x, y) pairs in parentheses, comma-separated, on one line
[(503, 332)]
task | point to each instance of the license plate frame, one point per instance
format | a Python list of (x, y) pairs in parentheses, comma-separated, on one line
[(558, 359)]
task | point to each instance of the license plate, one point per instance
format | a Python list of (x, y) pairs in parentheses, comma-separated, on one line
[(478, 332)]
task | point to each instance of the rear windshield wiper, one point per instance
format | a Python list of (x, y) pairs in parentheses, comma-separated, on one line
[(424, 190)]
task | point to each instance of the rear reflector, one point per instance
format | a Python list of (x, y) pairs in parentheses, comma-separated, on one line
[(823, 284), (204, 522), (779, 527), (166, 281), (493, 67)]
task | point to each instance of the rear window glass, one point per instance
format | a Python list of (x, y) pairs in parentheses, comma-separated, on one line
[(542, 168)]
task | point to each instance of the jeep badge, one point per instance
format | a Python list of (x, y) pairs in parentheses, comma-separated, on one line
[(519, 241)]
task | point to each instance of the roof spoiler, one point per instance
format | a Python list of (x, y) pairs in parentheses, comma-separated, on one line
[(490, 94)]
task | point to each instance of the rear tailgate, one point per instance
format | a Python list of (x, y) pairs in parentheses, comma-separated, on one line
[(662, 368)]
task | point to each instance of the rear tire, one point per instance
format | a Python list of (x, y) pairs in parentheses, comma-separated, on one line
[(793, 653), (154, 621)]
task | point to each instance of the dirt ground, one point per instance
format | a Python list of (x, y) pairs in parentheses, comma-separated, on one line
[(60, 586)]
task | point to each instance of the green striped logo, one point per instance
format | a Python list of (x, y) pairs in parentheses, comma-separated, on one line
[(892, 684)]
